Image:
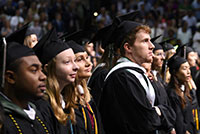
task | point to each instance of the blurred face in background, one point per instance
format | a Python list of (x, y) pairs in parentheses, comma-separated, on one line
[(31, 40), (192, 59), (158, 59)]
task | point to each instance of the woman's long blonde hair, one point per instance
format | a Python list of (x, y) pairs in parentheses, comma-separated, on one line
[(73, 97), (53, 92)]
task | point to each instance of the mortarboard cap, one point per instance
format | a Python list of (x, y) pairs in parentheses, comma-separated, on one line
[(188, 50), (19, 35), (175, 62), (155, 38), (16, 51), (10, 52), (122, 30), (157, 46), (81, 36), (128, 16), (12, 48), (75, 46), (166, 45), (178, 58), (29, 32), (105, 35), (49, 46), (101, 35), (184, 50)]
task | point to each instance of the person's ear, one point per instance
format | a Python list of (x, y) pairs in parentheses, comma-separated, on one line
[(127, 47), (45, 68), (10, 77)]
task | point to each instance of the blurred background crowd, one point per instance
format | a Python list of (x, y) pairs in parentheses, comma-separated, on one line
[(178, 19)]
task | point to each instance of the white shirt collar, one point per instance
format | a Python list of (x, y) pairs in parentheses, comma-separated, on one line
[(30, 112)]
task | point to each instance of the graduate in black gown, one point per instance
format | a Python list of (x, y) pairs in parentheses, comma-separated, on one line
[(190, 55), (24, 82), (127, 102), (157, 64), (109, 57), (88, 120), (169, 52), (179, 95), (59, 65), (162, 101), (95, 82), (161, 94)]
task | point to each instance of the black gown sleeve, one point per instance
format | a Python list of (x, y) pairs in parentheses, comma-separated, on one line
[(162, 101), (96, 83), (180, 126)]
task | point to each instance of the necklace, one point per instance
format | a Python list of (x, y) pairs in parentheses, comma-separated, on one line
[(19, 129)]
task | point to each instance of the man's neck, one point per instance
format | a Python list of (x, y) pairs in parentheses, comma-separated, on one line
[(133, 60), (18, 100)]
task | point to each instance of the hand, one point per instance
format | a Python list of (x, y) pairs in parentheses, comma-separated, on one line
[(173, 131), (187, 132), (157, 110)]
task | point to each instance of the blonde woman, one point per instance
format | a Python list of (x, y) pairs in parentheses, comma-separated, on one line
[(31, 39), (60, 67), (82, 107)]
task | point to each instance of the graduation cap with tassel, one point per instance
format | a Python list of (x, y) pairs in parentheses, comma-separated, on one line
[(166, 47), (3, 62), (113, 34), (157, 45), (184, 50), (18, 35), (166, 44), (12, 48), (178, 58), (105, 35)]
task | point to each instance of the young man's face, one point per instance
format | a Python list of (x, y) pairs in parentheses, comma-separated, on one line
[(30, 80), (142, 48)]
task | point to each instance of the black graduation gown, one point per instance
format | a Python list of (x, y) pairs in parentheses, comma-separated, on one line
[(47, 112), (195, 107), (193, 72), (184, 117), (162, 101), (96, 83), (16, 120), (197, 81), (79, 127), (124, 106), (160, 80)]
